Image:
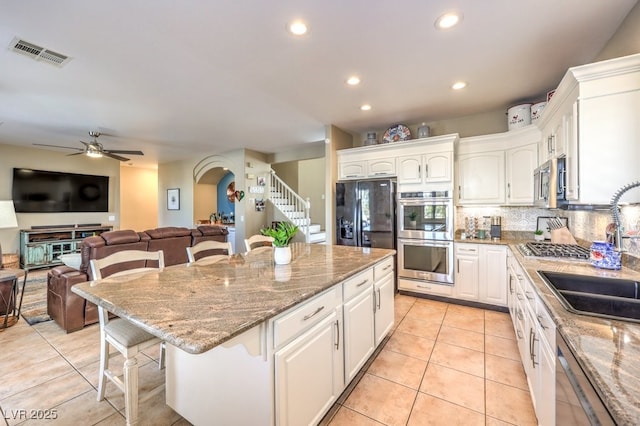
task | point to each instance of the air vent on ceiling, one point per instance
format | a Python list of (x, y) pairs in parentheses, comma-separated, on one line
[(38, 53)]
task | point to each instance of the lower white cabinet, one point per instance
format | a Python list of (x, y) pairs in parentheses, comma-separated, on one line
[(309, 373), (481, 273), (290, 369), (467, 276), (383, 307), (358, 331), (535, 332)]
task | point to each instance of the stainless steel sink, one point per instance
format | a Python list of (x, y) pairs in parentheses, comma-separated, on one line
[(603, 297)]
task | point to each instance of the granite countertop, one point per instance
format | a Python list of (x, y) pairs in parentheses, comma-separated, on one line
[(607, 350), (197, 307)]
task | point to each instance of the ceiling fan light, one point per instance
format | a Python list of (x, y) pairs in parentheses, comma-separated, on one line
[(93, 153)]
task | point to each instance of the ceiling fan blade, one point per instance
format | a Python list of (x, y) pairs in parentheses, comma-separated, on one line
[(59, 146), (119, 151), (114, 156)]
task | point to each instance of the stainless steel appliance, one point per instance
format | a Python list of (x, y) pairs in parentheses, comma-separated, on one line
[(577, 402), (426, 260), (425, 215), (365, 213), (549, 180), (425, 236), (554, 250), (496, 227)]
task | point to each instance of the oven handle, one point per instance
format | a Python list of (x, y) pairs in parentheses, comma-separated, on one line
[(426, 201), (428, 243)]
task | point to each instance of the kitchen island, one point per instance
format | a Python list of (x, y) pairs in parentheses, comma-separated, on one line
[(237, 331)]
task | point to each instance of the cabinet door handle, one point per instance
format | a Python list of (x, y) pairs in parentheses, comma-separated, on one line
[(458, 261), (511, 284), (532, 346), (313, 314), (544, 327), (337, 334), (362, 283), (508, 190), (519, 334), (420, 171), (459, 192), (379, 299), (528, 296), (386, 267), (426, 170)]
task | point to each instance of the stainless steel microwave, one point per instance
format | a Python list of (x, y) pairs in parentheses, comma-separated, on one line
[(549, 182)]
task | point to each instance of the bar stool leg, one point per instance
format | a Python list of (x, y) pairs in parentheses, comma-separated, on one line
[(131, 389)]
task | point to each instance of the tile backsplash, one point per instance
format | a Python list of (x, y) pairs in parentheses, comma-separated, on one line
[(585, 225)]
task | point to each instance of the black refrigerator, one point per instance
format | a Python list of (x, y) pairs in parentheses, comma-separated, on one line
[(365, 213)]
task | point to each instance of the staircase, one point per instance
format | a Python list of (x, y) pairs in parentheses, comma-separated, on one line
[(295, 209)]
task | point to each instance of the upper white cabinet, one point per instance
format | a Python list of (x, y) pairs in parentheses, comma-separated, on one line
[(519, 165), (425, 168), (592, 119), (497, 169), (481, 178), (419, 161)]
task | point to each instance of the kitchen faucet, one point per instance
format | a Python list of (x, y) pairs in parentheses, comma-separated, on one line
[(615, 212)]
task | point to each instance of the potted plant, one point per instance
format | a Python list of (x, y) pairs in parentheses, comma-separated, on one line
[(282, 235), (538, 235), (412, 219)]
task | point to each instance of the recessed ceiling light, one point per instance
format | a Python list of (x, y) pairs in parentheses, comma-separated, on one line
[(365, 107), (448, 20), (354, 80), (459, 85), (298, 28)]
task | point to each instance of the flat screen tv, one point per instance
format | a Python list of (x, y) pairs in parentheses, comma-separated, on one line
[(40, 191)]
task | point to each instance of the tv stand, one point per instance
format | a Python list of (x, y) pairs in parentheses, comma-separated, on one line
[(41, 247)]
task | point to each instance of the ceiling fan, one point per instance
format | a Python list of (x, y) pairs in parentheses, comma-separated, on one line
[(95, 149)]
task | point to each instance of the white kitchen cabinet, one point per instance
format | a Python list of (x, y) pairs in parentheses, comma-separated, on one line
[(425, 168), (594, 110), (481, 178), (497, 169), (481, 273), (493, 274), (535, 333), (384, 291), (359, 340), (420, 161), (309, 373), (467, 277), (352, 169), (520, 162), (372, 168), (381, 167)]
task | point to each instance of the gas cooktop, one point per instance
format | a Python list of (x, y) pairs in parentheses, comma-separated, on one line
[(554, 250)]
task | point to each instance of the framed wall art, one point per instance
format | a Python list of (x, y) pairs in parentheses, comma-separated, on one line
[(173, 199)]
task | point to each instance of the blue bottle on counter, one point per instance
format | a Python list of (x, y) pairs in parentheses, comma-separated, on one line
[(603, 255)]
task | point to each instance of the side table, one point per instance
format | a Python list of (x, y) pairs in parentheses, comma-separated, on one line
[(10, 306)]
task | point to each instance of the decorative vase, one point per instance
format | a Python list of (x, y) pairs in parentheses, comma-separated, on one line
[(413, 223), (538, 237), (282, 255)]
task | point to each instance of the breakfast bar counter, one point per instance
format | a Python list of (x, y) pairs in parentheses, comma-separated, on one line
[(198, 307), (243, 332)]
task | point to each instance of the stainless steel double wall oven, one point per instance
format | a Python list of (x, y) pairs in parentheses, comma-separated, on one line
[(425, 236)]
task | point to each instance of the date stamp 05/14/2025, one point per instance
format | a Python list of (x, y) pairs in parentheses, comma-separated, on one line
[(30, 414)]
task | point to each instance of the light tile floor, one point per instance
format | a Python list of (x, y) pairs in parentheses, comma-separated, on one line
[(444, 364)]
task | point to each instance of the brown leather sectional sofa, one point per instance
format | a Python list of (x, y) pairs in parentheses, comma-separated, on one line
[(71, 311)]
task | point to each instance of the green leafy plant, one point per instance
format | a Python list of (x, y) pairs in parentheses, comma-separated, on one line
[(538, 232), (282, 234), (413, 216)]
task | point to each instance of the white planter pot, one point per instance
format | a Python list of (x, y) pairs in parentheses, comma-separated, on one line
[(282, 255), (538, 237)]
